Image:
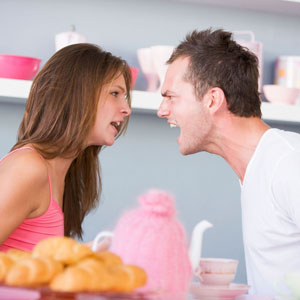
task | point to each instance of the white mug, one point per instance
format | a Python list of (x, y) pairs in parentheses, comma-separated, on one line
[(287, 71)]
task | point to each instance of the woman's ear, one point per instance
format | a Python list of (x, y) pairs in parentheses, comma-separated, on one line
[(216, 100)]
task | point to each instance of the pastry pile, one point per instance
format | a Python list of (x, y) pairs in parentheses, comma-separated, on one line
[(68, 266)]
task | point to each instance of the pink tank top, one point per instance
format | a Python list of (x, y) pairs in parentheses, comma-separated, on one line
[(33, 230)]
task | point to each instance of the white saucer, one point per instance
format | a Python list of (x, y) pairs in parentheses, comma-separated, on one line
[(214, 292)]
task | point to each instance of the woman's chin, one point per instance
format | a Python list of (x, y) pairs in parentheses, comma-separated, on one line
[(102, 143), (109, 143)]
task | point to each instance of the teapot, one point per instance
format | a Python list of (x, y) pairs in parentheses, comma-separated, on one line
[(195, 249), (152, 237)]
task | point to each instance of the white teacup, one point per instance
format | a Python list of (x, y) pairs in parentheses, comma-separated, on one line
[(216, 271)]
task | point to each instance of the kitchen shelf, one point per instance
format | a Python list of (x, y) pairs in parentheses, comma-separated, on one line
[(16, 91)]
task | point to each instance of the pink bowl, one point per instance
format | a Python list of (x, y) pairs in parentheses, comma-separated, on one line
[(134, 74), (18, 67), (280, 94)]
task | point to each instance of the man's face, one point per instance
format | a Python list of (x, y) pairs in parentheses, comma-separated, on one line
[(182, 108)]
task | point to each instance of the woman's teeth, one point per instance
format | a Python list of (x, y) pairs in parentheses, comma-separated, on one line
[(116, 124)]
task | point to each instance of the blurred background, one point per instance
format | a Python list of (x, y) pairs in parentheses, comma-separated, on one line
[(203, 185)]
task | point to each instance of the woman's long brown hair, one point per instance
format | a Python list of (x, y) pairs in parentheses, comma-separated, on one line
[(61, 112)]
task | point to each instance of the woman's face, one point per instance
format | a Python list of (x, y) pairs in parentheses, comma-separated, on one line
[(111, 111)]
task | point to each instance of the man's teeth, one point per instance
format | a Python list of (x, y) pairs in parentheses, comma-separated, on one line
[(173, 125)]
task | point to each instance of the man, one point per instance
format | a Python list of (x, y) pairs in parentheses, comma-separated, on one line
[(211, 92)]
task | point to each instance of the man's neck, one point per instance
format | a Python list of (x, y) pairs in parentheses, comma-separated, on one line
[(235, 139)]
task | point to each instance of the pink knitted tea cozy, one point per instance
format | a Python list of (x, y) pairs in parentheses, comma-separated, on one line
[(151, 236)]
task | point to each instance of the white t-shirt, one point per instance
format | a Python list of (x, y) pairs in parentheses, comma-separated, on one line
[(270, 199)]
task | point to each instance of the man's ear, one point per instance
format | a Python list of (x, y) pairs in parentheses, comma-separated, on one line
[(216, 100)]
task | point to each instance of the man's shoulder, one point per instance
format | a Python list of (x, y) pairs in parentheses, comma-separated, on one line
[(281, 141)]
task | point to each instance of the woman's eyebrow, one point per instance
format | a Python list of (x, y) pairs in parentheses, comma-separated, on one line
[(119, 86)]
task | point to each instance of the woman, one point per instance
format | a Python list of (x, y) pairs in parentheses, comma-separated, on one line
[(78, 102)]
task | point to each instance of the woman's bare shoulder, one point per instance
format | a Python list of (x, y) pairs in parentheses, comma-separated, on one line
[(26, 165)]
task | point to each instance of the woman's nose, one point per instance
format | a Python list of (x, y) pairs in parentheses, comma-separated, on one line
[(126, 110)]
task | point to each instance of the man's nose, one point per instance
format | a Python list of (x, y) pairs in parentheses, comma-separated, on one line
[(163, 109)]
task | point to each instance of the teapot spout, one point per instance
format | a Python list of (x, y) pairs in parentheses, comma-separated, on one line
[(196, 242)]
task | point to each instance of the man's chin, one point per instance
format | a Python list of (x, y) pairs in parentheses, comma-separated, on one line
[(185, 151)]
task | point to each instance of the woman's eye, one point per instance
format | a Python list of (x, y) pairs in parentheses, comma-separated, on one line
[(115, 94)]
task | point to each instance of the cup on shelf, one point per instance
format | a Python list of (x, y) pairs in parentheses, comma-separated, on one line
[(144, 56), (160, 55), (134, 74), (287, 71), (64, 39), (216, 271)]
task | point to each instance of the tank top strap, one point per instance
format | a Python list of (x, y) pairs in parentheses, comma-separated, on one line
[(16, 150), (50, 188)]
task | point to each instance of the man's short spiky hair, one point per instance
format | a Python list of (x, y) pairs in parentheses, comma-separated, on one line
[(216, 60)]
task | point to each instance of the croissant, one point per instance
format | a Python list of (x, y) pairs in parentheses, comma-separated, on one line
[(127, 277), (17, 254), (85, 270), (5, 264), (89, 274), (63, 249), (108, 258), (140, 276), (33, 271)]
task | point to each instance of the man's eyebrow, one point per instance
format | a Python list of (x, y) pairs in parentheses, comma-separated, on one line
[(167, 93)]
